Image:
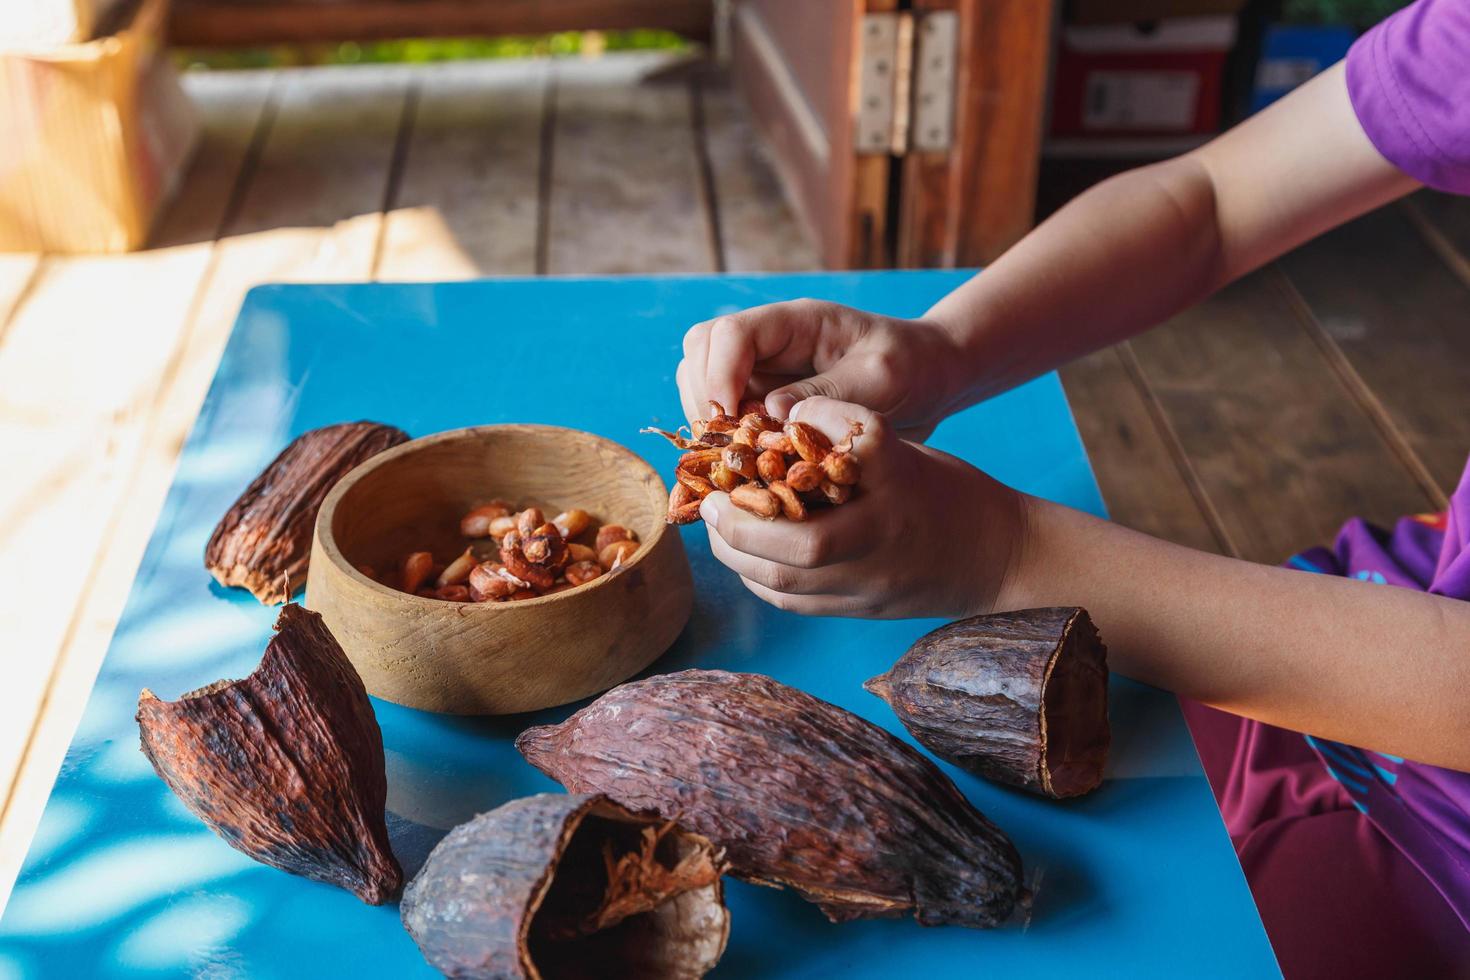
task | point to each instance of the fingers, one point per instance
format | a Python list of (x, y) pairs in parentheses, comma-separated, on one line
[(810, 605), (772, 575), (722, 354), (829, 536), (732, 354), (689, 397), (690, 374), (849, 380)]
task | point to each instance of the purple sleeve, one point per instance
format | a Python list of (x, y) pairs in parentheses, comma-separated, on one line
[(1409, 81)]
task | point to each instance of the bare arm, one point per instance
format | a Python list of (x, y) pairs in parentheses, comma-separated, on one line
[(1144, 245), (1373, 665)]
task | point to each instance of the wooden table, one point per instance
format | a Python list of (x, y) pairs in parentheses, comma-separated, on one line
[(1138, 877)]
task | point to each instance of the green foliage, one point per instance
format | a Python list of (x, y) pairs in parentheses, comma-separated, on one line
[(425, 50), (1354, 13)]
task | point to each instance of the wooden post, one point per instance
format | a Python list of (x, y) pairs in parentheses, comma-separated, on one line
[(967, 206)]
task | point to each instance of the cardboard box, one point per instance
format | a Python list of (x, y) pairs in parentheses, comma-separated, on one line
[(93, 138), (1133, 80), (1134, 11)]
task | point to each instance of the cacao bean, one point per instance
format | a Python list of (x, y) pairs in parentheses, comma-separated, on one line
[(683, 505), (751, 406), (415, 570), (724, 478), (458, 570), (581, 572), (263, 543), (285, 765), (808, 441), (798, 791), (835, 493), (804, 476), (516, 563), (615, 554), (1018, 697), (770, 466), (756, 500), (528, 520), (841, 468), (740, 460), (791, 503), (609, 533), (562, 885), (489, 580), (476, 524), (572, 523), (777, 441)]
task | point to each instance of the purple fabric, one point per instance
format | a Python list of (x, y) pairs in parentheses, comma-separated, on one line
[(1409, 81), (1385, 840), (1424, 810)]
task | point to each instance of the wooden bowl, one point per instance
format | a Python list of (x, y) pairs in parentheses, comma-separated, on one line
[(496, 657)]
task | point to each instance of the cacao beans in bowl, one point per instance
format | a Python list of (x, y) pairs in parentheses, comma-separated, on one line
[(496, 657)]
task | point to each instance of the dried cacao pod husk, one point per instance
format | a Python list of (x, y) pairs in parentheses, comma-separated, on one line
[(799, 792), (562, 885), (1018, 697), (285, 765), (263, 542)]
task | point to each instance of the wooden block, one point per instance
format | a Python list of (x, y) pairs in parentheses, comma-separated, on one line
[(467, 201), (1282, 448), (759, 230), (1133, 452), (1399, 316), (625, 193)]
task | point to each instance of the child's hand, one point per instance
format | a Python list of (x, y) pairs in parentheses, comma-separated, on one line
[(925, 534), (785, 352)]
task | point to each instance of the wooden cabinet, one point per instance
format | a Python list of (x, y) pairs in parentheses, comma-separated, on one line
[(905, 137)]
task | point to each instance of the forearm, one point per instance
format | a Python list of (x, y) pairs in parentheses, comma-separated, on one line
[(1118, 259), (1136, 249), (1377, 666)]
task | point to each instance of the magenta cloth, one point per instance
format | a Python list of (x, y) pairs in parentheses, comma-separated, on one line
[(1359, 861), (1409, 81)]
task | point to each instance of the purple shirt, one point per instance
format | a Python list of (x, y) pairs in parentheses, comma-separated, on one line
[(1409, 81)]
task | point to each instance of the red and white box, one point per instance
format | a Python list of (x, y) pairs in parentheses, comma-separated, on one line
[(1154, 79)]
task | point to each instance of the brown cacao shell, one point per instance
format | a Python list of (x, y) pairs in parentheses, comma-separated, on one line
[(285, 765), (1018, 697), (263, 542), (799, 792), (562, 885)]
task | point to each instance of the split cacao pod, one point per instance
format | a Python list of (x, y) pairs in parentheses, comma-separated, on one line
[(799, 792), (285, 765), (1018, 697), (562, 885), (263, 542)]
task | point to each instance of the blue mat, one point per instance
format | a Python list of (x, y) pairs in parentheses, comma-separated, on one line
[(1137, 879)]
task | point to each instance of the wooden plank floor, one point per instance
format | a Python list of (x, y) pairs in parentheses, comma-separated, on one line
[(1317, 389)]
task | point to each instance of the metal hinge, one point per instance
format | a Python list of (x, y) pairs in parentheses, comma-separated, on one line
[(906, 82)]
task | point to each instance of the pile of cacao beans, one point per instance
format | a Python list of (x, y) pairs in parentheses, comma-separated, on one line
[(768, 467), (531, 556)]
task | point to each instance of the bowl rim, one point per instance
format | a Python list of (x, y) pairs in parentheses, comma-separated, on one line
[(322, 529)]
